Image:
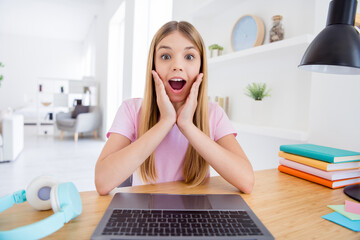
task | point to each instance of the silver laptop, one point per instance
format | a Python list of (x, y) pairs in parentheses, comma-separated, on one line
[(168, 216)]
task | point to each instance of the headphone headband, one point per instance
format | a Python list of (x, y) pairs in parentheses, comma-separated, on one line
[(11, 199), (36, 230), (69, 200)]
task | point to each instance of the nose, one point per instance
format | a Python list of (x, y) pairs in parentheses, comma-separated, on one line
[(177, 69), (177, 65)]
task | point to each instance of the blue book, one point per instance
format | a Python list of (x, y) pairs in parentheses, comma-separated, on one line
[(326, 154)]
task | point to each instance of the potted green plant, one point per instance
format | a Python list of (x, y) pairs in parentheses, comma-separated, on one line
[(259, 112), (1, 76), (257, 91), (215, 50)]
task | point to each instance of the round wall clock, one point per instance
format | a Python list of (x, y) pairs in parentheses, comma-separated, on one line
[(249, 31)]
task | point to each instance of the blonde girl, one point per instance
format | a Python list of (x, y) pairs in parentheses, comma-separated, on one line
[(173, 133)]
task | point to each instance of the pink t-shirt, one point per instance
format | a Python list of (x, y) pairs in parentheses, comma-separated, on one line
[(169, 155)]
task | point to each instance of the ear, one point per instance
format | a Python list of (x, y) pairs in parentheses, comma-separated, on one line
[(38, 192)]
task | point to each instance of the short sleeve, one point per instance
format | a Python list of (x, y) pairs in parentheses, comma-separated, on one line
[(220, 123), (125, 122)]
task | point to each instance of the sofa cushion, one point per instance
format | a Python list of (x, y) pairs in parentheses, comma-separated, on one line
[(79, 109), (66, 122)]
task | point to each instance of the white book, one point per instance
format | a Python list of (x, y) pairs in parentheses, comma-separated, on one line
[(332, 176)]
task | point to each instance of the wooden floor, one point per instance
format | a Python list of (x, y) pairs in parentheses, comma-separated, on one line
[(47, 155)]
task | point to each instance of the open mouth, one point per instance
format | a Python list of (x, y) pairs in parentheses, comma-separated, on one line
[(177, 83)]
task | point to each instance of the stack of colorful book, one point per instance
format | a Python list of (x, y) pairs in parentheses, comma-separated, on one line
[(330, 167)]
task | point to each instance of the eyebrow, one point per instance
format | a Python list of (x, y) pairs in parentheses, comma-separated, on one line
[(167, 47)]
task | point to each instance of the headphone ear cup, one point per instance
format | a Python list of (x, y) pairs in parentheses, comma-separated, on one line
[(38, 192), (65, 197), (54, 198)]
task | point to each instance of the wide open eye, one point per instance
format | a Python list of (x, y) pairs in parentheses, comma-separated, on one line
[(165, 56), (189, 57)]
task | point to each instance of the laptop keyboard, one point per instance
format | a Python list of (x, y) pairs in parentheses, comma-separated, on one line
[(184, 223)]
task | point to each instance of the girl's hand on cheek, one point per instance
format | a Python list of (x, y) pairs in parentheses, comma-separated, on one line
[(167, 111), (185, 113)]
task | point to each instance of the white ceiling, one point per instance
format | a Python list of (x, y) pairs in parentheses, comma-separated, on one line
[(59, 19)]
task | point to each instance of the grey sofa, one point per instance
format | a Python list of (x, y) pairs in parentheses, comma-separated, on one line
[(84, 122)]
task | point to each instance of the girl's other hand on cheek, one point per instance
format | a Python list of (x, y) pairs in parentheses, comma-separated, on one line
[(167, 111), (185, 113)]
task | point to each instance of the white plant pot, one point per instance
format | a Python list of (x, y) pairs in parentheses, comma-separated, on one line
[(258, 112), (215, 53)]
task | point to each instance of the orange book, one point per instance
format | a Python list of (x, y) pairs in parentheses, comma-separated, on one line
[(319, 180)]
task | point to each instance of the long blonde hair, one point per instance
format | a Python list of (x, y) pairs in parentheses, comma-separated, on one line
[(195, 167)]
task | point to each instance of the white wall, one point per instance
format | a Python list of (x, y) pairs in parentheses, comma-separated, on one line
[(41, 39), (89, 50), (335, 111), (102, 34), (26, 58)]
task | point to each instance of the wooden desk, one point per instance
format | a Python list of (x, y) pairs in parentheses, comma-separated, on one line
[(291, 208)]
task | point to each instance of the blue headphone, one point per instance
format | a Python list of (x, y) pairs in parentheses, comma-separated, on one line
[(44, 193)]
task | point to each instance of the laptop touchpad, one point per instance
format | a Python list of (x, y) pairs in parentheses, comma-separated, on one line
[(168, 201)]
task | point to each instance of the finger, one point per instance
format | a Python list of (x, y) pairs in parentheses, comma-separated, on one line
[(158, 83), (200, 77), (198, 81), (156, 77), (196, 85)]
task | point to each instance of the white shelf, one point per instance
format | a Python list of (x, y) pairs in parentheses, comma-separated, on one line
[(287, 110), (272, 132), (275, 46), (60, 93)]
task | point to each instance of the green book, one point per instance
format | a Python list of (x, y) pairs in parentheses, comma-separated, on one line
[(326, 154)]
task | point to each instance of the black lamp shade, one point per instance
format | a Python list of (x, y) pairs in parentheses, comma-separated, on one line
[(336, 49)]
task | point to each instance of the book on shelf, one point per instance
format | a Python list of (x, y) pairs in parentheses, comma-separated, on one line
[(327, 154), (332, 176), (319, 180), (318, 163)]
